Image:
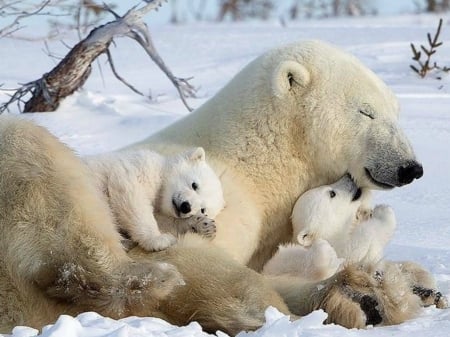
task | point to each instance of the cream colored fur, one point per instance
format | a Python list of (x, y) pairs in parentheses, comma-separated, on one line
[(330, 229), (136, 184), (130, 184)]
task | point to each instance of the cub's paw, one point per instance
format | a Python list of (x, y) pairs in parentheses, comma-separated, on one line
[(157, 243), (384, 213), (203, 226), (363, 214)]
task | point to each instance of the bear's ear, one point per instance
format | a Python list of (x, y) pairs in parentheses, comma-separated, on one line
[(288, 74), (197, 154)]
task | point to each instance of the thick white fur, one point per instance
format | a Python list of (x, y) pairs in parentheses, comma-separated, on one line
[(314, 263), (136, 184), (336, 219), (326, 225), (290, 121)]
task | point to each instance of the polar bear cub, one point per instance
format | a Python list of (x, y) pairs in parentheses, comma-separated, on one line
[(332, 224), (138, 184)]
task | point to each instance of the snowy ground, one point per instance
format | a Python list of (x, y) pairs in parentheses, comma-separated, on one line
[(106, 116)]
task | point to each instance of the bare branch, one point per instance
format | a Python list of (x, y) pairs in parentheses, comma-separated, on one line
[(24, 90), (73, 70), (110, 10), (184, 88), (120, 78)]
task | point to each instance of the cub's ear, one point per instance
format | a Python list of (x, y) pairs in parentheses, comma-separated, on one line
[(197, 154), (287, 75)]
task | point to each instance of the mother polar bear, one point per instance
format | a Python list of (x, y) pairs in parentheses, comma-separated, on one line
[(297, 117)]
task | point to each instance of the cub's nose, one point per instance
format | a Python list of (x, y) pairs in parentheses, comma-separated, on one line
[(185, 207), (406, 174)]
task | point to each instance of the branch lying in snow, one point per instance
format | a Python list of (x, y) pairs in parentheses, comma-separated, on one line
[(24, 90), (74, 69)]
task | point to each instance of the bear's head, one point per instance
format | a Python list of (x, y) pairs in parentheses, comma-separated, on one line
[(342, 113), (326, 212), (190, 186)]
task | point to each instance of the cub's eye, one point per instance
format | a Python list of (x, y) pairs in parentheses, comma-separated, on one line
[(194, 186), (367, 113), (332, 194)]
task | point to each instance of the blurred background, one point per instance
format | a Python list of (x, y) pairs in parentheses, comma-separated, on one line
[(21, 18)]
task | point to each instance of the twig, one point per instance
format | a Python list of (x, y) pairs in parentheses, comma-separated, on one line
[(116, 74), (184, 88), (25, 89), (49, 53), (426, 65)]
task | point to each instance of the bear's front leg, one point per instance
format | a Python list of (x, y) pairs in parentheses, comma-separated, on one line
[(129, 284), (353, 298), (422, 283)]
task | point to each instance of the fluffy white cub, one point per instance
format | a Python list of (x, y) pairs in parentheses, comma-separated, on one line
[(332, 225), (138, 184)]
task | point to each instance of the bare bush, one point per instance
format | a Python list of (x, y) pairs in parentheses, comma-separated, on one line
[(425, 65)]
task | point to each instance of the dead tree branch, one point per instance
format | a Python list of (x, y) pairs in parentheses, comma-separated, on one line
[(425, 66), (73, 70)]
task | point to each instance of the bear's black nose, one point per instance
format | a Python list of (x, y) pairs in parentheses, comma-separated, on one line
[(185, 207), (408, 173)]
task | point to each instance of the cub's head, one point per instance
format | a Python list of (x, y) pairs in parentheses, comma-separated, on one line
[(190, 186), (326, 211)]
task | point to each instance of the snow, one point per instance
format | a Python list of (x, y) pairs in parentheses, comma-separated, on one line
[(105, 116)]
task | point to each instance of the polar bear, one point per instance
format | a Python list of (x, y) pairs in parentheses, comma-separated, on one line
[(261, 135), (327, 224), (138, 183)]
